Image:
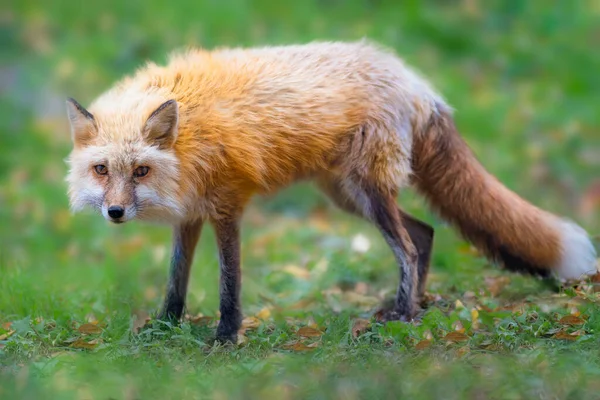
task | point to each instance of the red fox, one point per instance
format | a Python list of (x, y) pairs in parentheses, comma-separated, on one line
[(194, 140)]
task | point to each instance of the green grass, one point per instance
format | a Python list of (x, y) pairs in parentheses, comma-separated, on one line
[(524, 80)]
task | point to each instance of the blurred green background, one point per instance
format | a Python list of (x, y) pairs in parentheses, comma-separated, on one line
[(524, 79)]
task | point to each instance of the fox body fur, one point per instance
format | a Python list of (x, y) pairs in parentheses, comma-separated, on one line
[(194, 140)]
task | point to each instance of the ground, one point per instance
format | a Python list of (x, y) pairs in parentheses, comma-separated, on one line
[(75, 292)]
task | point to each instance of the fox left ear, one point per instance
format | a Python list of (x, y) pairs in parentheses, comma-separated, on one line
[(161, 126), (83, 124)]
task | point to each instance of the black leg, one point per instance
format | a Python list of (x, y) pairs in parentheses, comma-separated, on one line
[(228, 241), (395, 225), (421, 234), (386, 216), (185, 238)]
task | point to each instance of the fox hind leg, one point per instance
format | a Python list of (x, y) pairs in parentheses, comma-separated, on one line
[(421, 234), (396, 227)]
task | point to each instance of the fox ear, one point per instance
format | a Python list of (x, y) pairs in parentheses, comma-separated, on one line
[(161, 126), (83, 124)]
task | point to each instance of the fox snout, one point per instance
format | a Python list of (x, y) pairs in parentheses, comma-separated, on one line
[(117, 213)]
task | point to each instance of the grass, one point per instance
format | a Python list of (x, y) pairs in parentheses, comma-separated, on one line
[(74, 291)]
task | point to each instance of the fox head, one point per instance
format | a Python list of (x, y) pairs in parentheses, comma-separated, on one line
[(123, 163)]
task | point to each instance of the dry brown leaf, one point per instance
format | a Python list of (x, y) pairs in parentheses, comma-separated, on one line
[(242, 340), (82, 344), (6, 335), (423, 344), (462, 351), (495, 284), (361, 288), (141, 318), (564, 336), (6, 326), (360, 326), (263, 314), (571, 320), (456, 337), (299, 346), (307, 331), (91, 318), (201, 320), (250, 323), (574, 311), (89, 329)]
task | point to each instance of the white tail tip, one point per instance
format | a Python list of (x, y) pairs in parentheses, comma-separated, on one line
[(578, 257)]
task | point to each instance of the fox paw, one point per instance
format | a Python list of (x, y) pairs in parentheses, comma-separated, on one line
[(226, 334), (391, 312)]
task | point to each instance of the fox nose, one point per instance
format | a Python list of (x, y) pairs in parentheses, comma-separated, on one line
[(116, 212)]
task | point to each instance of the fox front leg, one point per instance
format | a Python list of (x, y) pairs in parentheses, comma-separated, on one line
[(228, 240), (185, 238)]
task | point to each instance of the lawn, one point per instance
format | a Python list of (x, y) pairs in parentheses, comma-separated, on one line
[(75, 292)]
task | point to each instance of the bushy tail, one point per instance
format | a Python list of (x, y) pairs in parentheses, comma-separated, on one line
[(500, 223)]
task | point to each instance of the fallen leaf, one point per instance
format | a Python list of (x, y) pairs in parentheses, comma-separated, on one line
[(296, 271), (423, 344), (91, 318), (475, 318), (89, 329), (6, 326), (571, 320), (361, 288), (250, 323), (469, 295), (307, 331), (456, 337), (360, 326), (6, 335), (82, 344), (299, 346), (140, 319), (562, 335), (575, 312), (242, 340), (263, 314), (458, 304), (462, 351), (201, 320), (495, 284)]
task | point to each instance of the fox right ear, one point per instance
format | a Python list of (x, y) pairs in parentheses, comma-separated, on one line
[(161, 126), (83, 124)]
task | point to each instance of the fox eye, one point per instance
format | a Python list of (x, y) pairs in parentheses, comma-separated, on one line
[(101, 169), (141, 171)]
